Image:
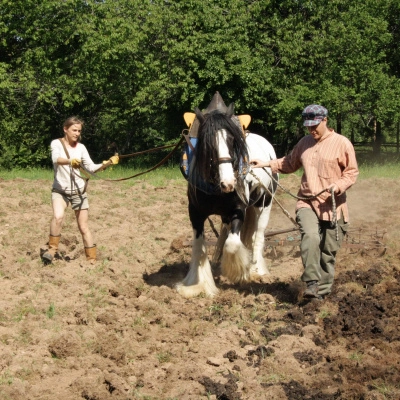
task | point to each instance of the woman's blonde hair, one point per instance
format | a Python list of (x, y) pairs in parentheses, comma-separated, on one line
[(72, 121)]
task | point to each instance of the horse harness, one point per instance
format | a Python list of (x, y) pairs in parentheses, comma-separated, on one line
[(210, 187)]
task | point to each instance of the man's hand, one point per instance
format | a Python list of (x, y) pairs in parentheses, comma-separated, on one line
[(334, 187), (75, 163), (259, 163)]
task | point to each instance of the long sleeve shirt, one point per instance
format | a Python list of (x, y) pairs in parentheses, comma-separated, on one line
[(330, 160), (67, 179)]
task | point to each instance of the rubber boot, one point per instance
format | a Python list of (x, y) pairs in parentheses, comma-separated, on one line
[(49, 254), (91, 254)]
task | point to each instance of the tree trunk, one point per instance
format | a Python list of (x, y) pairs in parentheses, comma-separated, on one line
[(377, 137), (339, 123)]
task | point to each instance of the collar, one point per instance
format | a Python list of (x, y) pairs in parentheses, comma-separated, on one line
[(327, 135)]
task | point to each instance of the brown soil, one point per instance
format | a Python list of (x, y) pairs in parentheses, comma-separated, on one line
[(121, 331)]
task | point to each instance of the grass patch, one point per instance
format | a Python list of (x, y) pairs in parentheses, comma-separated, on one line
[(157, 177), (370, 167), (164, 357), (51, 311)]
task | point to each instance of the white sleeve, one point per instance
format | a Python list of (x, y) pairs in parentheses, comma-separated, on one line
[(57, 151), (87, 161)]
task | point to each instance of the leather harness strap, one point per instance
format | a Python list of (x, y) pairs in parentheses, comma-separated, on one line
[(73, 171)]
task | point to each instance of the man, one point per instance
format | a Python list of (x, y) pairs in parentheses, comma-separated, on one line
[(329, 164)]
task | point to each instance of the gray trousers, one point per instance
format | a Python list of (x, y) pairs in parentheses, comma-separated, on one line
[(318, 248)]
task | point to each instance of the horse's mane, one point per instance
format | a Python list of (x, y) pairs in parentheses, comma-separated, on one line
[(206, 159)]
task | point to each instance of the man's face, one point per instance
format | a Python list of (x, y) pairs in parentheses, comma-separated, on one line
[(317, 131)]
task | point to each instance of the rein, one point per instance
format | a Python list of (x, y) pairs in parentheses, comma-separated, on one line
[(334, 223), (164, 160)]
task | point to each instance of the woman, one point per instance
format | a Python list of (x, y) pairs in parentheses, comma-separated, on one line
[(68, 156), (329, 163)]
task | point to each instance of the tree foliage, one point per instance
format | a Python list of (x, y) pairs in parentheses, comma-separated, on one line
[(130, 69)]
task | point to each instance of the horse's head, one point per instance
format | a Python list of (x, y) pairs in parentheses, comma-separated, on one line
[(221, 147)]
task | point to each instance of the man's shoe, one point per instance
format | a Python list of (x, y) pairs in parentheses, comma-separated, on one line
[(312, 290)]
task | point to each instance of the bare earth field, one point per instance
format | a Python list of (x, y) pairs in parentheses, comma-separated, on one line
[(121, 331)]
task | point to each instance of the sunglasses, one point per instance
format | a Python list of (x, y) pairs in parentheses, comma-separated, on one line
[(312, 116)]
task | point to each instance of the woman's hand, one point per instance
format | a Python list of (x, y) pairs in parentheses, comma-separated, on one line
[(75, 163)]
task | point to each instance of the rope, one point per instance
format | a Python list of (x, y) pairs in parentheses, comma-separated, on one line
[(334, 223), (273, 197), (166, 158), (291, 194)]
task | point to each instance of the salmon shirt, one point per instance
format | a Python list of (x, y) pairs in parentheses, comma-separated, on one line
[(330, 160)]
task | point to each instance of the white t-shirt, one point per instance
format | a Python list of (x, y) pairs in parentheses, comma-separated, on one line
[(67, 179)]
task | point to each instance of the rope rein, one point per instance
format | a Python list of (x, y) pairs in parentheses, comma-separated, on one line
[(334, 223), (164, 160)]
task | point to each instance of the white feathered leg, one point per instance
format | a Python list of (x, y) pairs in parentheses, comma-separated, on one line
[(258, 264), (199, 278), (235, 260)]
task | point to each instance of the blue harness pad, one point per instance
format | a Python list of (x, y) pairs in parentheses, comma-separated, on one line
[(187, 157), (185, 164)]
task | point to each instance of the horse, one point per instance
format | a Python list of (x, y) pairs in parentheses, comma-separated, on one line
[(221, 182)]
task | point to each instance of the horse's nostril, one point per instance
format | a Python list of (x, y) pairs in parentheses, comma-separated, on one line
[(223, 185)]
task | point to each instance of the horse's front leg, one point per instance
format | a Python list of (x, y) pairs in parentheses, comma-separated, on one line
[(235, 262), (199, 279)]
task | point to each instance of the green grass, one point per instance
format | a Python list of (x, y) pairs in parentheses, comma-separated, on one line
[(157, 177), (369, 168), (386, 170)]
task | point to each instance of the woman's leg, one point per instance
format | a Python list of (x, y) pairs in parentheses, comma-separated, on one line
[(82, 218), (59, 205)]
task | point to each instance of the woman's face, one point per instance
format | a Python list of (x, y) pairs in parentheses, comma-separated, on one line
[(73, 133)]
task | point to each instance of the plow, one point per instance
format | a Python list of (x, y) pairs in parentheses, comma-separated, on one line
[(357, 240)]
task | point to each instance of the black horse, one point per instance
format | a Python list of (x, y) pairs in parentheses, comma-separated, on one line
[(221, 182)]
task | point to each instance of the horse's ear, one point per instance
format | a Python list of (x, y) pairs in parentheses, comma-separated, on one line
[(244, 120), (189, 118), (199, 114), (231, 110)]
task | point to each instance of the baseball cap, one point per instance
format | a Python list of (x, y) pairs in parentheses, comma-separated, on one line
[(314, 114)]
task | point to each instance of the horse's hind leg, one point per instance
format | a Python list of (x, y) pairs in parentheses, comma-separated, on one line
[(199, 279), (253, 236)]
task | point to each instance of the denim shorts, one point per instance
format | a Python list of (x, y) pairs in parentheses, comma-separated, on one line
[(77, 201)]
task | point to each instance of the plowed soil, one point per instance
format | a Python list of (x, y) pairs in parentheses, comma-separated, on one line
[(121, 331)]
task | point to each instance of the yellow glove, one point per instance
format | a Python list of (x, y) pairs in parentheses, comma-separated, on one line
[(114, 160), (75, 163)]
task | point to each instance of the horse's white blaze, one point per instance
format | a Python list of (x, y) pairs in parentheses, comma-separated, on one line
[(235, 260), (199, 278), (226, 173)]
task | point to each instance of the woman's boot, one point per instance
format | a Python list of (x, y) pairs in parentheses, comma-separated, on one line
[(49, 254), (91, 254)]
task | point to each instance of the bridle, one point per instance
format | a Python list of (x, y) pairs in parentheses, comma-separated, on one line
[(225, 160)]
